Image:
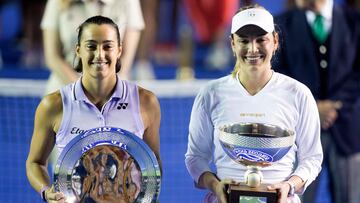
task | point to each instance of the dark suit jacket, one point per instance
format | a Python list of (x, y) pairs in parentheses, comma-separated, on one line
[(297, 58)]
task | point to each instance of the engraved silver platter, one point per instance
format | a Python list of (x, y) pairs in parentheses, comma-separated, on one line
[(107, 165)]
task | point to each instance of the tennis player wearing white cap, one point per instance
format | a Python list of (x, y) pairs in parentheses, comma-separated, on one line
[(254, 93)]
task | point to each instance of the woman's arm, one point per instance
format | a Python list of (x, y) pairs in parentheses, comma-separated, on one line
[(46, 123), (151, 115)]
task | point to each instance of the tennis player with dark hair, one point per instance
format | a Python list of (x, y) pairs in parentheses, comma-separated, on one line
[(99, 98)]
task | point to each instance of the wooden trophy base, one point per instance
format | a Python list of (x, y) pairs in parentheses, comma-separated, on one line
[(243, 194)]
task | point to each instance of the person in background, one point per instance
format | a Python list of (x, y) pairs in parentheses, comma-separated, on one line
[(256, 94), (33, 56), (143, 68), (208, 23), (354, 4), (321, 44), (63, 16), (92, 101)]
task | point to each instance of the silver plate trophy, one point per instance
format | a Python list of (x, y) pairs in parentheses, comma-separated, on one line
[(254, 145), (109, 165)]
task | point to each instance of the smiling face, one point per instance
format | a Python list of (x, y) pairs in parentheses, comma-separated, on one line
[(98, 50), (253, 49)]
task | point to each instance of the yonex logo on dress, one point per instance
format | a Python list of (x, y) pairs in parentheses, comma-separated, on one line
[(122, 106)]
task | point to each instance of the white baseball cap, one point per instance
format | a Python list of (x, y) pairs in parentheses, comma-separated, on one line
[(253, 16)]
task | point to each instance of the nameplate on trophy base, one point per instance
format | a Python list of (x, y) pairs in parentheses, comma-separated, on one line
[(243, 194)]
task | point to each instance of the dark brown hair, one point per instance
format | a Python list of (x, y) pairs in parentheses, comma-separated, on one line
[(98, 20)]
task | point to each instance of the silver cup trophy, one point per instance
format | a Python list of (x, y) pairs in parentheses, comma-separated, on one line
[(107, 164), (254, 145)]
